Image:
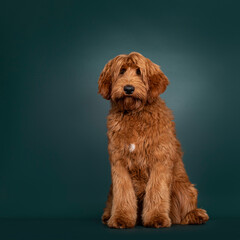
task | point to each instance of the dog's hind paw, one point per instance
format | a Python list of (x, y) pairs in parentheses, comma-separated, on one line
[(196, 216)]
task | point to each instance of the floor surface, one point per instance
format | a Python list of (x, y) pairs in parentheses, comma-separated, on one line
[(91, 228)]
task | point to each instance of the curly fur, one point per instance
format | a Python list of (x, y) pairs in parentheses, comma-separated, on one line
[(149, 182)]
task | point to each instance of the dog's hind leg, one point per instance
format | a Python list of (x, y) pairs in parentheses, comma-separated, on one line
[(184, 201), (107, 210)]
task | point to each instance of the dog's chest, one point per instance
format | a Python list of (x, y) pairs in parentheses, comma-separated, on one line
[(131, 137), (127, 134)]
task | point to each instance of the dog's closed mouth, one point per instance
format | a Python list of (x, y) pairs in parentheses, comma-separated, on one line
[(127, 97), (129, 103)]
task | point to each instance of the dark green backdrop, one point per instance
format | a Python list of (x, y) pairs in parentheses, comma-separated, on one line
[(54, 161)]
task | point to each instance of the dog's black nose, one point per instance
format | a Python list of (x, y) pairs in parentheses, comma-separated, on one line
[(128, 89)]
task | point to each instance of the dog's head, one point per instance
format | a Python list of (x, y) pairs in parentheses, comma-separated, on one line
[(131, 81)]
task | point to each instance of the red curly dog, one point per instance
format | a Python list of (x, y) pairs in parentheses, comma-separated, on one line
[(149, 182)]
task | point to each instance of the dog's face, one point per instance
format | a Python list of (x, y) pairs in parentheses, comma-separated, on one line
[(131, 81)]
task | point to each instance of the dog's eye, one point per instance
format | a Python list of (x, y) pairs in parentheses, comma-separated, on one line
[(138, 72), (122, 71)]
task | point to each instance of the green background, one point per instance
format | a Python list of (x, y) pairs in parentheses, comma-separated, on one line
[(54, 160)]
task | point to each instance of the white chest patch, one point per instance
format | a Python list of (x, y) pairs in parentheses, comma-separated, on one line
[(131, 147)]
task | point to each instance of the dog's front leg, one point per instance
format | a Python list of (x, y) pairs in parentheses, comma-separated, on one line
[(124, 207), (156, 205)]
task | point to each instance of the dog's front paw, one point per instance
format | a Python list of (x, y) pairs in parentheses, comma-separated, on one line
[(120, 222), (157, 221)]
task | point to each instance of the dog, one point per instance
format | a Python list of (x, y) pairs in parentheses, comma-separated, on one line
[(149, 183)]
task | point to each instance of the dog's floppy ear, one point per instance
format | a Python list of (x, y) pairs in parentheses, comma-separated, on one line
[(105, 81), (157, 81)]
